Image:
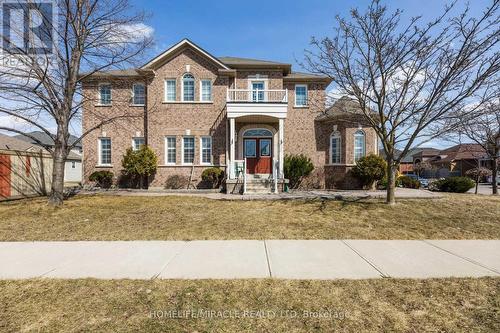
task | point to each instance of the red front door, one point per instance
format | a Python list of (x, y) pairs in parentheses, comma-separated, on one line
[(258, 152)]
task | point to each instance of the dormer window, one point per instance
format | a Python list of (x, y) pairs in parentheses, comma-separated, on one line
[(188, 88)]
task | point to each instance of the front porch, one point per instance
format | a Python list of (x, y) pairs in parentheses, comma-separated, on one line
[(255, 150)]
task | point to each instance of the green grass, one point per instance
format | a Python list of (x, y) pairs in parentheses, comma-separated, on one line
[(105, 217), (437, 305)]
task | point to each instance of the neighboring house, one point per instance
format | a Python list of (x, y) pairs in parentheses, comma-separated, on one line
[(457, 160), (200, 111), (406, 164), (73, 165), (25, 169), (423, 154)]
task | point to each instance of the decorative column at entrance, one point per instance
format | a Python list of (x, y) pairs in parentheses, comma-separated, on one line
[(281, 147), (232, 152)]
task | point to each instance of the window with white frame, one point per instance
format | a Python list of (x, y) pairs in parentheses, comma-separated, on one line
[(170, 149), (137, 143), (335, 148), (170, 90), (138, 94), (104, 151), (206, 150), (188, 88), (300, 95), (188, 150), (206, 90), (105, 94), (359, 145)]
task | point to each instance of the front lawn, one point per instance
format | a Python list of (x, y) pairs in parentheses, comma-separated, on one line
[(106, 217), (437, 305)]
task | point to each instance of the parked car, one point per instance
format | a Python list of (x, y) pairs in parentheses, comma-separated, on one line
[(423, 181), (490, 179)]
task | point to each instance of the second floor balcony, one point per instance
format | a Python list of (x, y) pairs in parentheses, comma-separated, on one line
[(257, 102), (257, 96)]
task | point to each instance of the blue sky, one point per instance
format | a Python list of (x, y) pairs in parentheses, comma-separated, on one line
[(271, 30)]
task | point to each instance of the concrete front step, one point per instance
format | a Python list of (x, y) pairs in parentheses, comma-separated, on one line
[(259, 186)]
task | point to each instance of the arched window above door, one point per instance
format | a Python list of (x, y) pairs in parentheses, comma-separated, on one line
[(257, 132)]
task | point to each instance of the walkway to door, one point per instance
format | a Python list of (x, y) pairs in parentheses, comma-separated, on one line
[(242, 259)]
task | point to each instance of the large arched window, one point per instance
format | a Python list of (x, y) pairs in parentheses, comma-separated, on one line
[(359, 145), (188, 88), (335, 148)]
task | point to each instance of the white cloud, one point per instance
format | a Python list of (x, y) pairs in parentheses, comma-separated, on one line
[(125, 33)]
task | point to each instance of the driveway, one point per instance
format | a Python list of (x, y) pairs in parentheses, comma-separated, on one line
[(242, 259), (485, 189)]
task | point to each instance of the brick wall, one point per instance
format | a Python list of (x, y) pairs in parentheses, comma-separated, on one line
[(302, 133)]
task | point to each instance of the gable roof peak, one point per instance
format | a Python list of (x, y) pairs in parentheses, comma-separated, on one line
[(184, 42)]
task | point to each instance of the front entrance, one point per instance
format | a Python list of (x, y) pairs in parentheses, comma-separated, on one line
[(258, 152)]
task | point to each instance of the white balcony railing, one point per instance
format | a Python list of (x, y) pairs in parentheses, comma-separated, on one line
[(257, 96)]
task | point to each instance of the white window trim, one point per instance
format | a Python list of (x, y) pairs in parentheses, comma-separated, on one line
[(201, 90), (165, 99), (307, 96), (364, 144), (211, 150), (166, 150), (335, 135), (182, 88), (99, 93), (133, 94), (99, 151), (133, 141), (182, 150)]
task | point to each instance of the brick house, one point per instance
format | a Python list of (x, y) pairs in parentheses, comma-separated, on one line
[(196, 111)]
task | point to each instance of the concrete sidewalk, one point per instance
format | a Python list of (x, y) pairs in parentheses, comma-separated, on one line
[(238, 259)]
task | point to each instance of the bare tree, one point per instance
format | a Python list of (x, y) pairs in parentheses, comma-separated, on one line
[(409, 77), (422, 166), (41, 83), (482, 125)]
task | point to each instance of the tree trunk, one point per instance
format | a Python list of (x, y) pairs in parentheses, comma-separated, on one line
[(494, 170), (477, 175), (57, 188), (391, 183)]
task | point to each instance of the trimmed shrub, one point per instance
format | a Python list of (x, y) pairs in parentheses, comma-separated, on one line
[(176, 182), (142, 162), (409, 182), (452, 184), (369, 169), (102, 178), (382, 184), (296, 168), (212, 177)]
